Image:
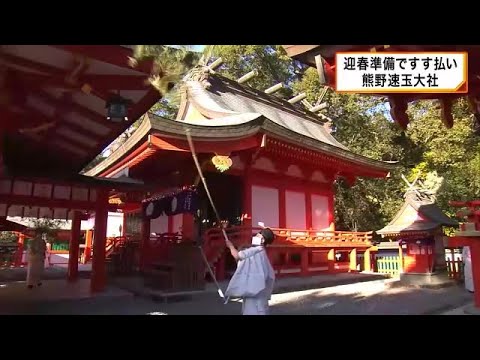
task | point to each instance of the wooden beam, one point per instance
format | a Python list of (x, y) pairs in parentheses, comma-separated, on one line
[(297, 98), (318, 107), (141, 107), (77, 143), (247, 76), (274, 88), (294, 50), (319, 62), (62, 122), (27, 200), (120, 165), (215, 64), (111, 54), (19, 61), (65, 158), (207, 146), (322, 95), (102, 83), (69, 106), (145, 154)]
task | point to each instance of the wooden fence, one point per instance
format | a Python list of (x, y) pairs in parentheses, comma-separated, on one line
[(389, 265)]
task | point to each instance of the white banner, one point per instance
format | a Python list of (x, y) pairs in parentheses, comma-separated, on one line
[(402, 72)]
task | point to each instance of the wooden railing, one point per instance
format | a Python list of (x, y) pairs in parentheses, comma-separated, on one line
[(315, 236), (160, 246), (112, 244), (214, 243)]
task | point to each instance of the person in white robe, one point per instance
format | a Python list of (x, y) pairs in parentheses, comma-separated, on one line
[(254, 277), (36, 260), (467, 268)]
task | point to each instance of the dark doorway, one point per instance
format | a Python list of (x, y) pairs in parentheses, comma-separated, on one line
[(227, 195)]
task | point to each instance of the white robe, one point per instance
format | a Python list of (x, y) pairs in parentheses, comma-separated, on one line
[(253, 281), (467, 270), (36, 261)]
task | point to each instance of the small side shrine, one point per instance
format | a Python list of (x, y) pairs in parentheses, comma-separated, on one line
[(418, 229)]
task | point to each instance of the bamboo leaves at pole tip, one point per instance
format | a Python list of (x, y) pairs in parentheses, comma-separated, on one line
[(171, 65)]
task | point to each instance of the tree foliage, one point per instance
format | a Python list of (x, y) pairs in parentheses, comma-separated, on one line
[(49, 227), (449, 159), (269, 61), (454, 154), (8, 237)]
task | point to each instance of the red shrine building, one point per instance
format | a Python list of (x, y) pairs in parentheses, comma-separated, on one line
[(56, 111), (265, 160)]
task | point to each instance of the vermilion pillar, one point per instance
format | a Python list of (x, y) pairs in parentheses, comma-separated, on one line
[(475, 253), (99, 275), (353, 260), (145, 243), (282, 212), (74, 247), (188, 226), (87, 254), (400, 259), (331, 260), (469, 235), (124, 225), (367, 264), (474, 244), (308, 210), (19, 256)]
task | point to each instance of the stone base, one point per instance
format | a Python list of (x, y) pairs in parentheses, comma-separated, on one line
[(430, 280), (471, 310)]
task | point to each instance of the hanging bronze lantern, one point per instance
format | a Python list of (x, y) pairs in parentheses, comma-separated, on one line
[(117, 109)]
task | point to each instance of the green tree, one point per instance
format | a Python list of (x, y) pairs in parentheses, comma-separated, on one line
[(427, 149), (50, 227), (269, 61), (8, 237), (454, 154), (362, 124)]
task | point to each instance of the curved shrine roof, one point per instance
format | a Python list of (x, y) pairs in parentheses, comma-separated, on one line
[(216, 108)]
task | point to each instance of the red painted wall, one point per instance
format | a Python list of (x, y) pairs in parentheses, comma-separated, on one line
[(283, 184)]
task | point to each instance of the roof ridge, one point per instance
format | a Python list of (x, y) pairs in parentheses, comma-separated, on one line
[(299, 110)]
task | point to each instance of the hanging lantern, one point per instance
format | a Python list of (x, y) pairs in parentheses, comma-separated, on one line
[(117, 109), (222, 163), (115, 201)]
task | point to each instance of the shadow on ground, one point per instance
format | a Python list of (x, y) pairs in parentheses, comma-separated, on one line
[(372, 298), (367, 298), (51, 273)]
